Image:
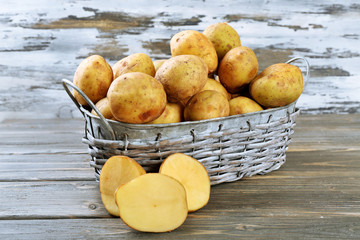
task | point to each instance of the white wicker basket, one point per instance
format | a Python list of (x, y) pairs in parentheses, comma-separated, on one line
[(229, 147)]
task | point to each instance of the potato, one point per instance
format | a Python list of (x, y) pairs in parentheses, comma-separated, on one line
[(223, 37), (192, 174), (116, 171), (93, 76), (191, 42), (278, 85), (137, 62), (136, 98), (104, 108), (158, 63), (206, 105), (152, 202), (173, 113), (238, 67), (182, 76), (241, 105), (212, 84)]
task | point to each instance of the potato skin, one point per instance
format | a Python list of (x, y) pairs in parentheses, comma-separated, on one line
[(191, 42), (278, 85), (158, 63), (173, 113), (93, 76), (223, 37), (206, 105), (182, 76), (212, 84), (238, 67), (104, 108), (241, 105), (136, 98), (137, 62)]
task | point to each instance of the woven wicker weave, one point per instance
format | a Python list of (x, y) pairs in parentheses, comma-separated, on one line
[(230, 147)]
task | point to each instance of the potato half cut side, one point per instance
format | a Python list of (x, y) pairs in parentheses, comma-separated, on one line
[(192, 174), (116, 171), (152, 203)]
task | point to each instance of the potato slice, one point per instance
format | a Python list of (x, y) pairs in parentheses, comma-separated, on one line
[(152, 203), (116, 171), (192, 174)]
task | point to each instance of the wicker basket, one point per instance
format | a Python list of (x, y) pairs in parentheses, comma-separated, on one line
[(229, 147)]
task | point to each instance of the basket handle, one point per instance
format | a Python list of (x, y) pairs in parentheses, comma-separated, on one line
[(307, 76), (103, 122)]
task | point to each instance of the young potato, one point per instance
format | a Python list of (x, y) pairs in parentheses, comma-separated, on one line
[(194, 43), (182, 76), (278, 85), (206, 105), (93, 76), (173, 113), (238, 67), (137, 62), (212, 84), (158, 63), (136, 98), (241, 105), (116, 171), (104, 108), (192, 174), (223, 37), (152, 202)]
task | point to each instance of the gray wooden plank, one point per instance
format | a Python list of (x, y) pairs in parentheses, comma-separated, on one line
[(286, 192), (195, 227), (325, 32)]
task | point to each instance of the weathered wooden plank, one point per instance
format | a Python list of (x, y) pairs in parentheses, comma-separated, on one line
[(43, 158), (297, 188), (322, 132), (195, 227), (326, 32), (59, 135)]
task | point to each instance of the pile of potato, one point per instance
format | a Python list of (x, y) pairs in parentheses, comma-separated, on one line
[(209, 75)]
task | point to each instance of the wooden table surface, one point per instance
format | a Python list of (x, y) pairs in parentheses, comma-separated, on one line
[(47, 188)]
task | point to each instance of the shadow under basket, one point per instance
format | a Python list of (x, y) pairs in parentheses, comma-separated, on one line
[(229, 147)]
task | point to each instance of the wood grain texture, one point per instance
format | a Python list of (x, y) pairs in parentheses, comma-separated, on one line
[(47, 188), (314, 195), (43, 43)]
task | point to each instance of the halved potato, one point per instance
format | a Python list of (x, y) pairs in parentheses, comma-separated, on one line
[(116, 171), (152, 203), (192, 174)]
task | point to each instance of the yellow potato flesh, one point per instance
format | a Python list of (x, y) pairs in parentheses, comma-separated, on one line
[(116, 171), (241, 105), (93, 76), (152, 203), (137, 62), (192, 174)]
